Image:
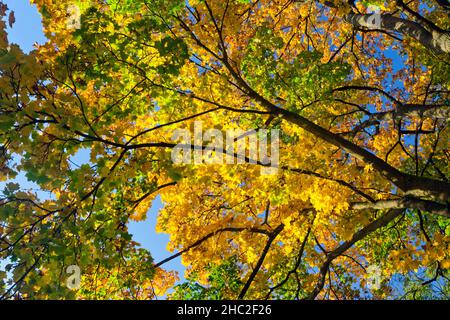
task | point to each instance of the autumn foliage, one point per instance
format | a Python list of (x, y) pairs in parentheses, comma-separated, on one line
[(362, 192)]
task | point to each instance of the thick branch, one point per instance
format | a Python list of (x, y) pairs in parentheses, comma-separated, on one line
[(405, 203), (208, 236), (361, 234), (413, 185), (260, 261), (444, 4), (439, 111)]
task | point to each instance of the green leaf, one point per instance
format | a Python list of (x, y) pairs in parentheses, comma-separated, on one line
[(175, 175)]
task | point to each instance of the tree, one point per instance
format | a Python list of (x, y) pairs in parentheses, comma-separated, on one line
[(362, 110)]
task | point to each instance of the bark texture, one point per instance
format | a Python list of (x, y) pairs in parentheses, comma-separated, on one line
[(436, 41)]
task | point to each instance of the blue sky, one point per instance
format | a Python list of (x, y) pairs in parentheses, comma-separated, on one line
[(28, 30)]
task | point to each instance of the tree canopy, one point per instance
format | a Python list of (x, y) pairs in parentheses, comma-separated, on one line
[(359, 91)]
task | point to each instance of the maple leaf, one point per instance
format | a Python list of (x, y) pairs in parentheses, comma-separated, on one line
[(11, 19), (3, 9)]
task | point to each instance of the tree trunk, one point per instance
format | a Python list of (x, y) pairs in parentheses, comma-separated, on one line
[(436, 41)]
